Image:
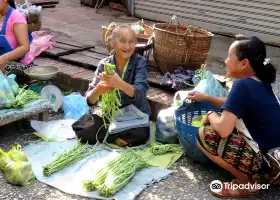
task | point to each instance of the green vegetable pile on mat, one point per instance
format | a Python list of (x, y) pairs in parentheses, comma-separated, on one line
[(197, 120), (110, 100), (16, 167), (161, 149), (116, 174), (68, 157), (24, 97)]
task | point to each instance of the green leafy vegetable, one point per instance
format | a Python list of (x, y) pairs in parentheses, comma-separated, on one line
[(24, 97), (16, 154), (19, 173), (4, 160)]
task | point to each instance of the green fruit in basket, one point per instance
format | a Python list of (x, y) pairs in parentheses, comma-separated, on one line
[(197, 120), (197, 123)]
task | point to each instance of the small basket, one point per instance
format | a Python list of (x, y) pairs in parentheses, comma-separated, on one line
[(186, 132), (180, 46)]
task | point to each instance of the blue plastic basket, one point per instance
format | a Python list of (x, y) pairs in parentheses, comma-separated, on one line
[(187, 133)]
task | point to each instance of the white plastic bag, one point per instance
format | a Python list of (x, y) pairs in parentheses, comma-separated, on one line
[(57, 130)]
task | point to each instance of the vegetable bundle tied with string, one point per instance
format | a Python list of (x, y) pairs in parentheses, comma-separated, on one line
[(116, 174), (110, 100), (68, 157)]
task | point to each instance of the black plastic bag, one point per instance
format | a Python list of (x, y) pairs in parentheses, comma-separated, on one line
[(88, 126)]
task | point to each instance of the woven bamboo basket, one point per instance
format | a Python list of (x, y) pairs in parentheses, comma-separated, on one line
[(107, 31), (179, 46)]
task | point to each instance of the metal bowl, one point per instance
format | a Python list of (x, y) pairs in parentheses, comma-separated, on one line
[(41, 73)]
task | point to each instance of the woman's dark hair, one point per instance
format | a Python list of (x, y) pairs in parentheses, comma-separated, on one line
[(12, 3), (254, 50)]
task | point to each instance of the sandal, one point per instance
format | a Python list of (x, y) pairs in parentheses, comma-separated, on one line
[(238, 193)]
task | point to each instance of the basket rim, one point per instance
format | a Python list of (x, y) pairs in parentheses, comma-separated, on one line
[(147, 26), (139, 35), (207, 33)]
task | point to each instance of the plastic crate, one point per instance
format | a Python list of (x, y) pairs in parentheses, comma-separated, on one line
[(187, 133)]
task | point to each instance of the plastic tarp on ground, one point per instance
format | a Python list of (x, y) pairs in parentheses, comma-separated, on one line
[(70, 179)]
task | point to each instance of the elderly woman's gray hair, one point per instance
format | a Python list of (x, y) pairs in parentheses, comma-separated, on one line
[(115, 32)]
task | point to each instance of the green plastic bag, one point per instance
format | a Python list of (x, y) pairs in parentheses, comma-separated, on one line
[(15, 166), (16, 154), (19, 173)]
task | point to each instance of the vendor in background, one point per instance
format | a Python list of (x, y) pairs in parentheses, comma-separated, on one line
[(252, 99), (14, 39), (130, 74)]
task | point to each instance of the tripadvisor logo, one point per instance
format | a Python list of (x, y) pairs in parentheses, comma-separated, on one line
[(217, 186)]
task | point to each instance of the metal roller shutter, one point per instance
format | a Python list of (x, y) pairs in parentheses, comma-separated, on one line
[(250, 17)]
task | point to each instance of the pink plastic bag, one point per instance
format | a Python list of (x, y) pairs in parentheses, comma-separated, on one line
[(41, 42)]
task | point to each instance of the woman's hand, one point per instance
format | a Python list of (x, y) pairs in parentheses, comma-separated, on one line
[(197, 96), (103, 88), (113, 81), (3, 62), (205, 120)]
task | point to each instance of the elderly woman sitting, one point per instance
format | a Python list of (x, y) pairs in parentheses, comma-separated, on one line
[(130, 76)]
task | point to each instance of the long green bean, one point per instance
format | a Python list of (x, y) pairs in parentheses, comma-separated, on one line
[(110, 100), (69, 157)]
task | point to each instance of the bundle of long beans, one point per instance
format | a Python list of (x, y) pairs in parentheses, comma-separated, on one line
[(68, 157), (110, 100), (160, 149), (116, 174)]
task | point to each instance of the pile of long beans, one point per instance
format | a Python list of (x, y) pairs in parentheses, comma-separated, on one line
[(68, 157), (116, 174), (160, 149), (110, 100)]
